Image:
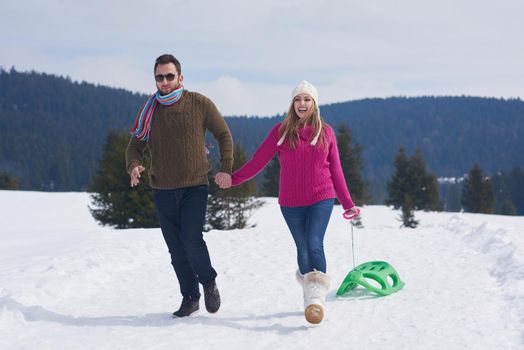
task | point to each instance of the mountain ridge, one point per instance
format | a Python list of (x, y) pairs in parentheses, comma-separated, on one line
[(63, 125)]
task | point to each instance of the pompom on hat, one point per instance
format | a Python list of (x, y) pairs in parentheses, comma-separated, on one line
[(305, 87)]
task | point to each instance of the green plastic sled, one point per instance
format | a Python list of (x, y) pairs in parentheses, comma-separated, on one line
[(379, 271)]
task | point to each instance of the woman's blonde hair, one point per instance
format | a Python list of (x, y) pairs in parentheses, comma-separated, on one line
[(289, 127)]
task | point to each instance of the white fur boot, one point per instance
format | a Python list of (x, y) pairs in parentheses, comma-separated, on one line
[(316, 285)]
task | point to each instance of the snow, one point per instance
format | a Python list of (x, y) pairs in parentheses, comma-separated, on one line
[(68, 283)]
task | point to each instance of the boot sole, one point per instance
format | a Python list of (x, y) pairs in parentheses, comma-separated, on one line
[(213, 310), (191, 314), (314, 313)]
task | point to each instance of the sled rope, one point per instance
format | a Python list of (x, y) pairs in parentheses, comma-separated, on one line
[(352, 244)]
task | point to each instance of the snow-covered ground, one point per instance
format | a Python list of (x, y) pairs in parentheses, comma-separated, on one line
[(67, 283)]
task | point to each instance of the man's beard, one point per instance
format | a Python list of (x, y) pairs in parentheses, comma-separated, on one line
[(168, 91), (165, 92)]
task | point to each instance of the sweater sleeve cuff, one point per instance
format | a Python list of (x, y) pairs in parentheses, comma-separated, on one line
[(235, 181), (226, 166), (347, 204)]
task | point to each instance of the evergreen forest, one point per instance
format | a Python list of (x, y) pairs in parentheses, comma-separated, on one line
[(53, 129)]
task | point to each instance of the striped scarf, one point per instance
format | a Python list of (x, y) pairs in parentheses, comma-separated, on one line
[(142, 126)]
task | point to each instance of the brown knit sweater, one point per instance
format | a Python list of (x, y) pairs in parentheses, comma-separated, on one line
[(177, 143)]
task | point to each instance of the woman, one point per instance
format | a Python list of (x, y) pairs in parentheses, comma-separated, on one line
[(310, 178)]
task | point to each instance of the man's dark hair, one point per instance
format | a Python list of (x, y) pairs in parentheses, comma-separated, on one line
[(165, 59)]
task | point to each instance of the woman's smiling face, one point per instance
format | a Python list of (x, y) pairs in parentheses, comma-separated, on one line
[(303, 104)]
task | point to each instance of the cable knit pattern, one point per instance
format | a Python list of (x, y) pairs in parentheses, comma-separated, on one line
[(177, 143), (308, 174)]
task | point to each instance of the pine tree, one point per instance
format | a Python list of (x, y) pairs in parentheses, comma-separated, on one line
[(400, 182), (477, 193), (231, 208), (271, 184), (114, 202), (507, 208), (8, 182), (352, 165), (412, 187), (426, 194), (509, 192), (407, 216), (516, 177), (400, 189)]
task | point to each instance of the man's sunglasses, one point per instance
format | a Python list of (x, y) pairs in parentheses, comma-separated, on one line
[(169, 77)]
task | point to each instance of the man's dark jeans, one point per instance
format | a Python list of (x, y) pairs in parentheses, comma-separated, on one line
[(181, 213)]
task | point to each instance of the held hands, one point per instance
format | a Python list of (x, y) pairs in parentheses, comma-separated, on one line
[(135, 175), (351, 214), (223, 180)]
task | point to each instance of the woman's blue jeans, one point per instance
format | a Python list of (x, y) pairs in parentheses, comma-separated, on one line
[(181, 213), (308, 226)]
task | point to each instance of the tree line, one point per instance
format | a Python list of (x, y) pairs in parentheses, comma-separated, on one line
[(52, 129), (51, 139)]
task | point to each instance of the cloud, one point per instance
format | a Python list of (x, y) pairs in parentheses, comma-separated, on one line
[(234, 97), (114, 70), (249, 56)]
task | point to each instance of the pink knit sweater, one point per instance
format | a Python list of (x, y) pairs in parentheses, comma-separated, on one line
[(308, 174)]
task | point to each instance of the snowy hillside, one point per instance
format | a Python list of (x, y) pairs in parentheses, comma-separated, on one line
[(67, 283)]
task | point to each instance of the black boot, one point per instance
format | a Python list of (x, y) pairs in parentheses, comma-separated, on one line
[(211, 297), (189, 306)]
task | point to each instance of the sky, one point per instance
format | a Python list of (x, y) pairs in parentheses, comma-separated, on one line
[(69, 283), (247, 56)]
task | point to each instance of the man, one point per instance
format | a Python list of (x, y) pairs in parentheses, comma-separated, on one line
[(172, 124)]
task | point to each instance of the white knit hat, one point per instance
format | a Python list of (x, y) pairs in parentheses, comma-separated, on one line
[(305, 87)]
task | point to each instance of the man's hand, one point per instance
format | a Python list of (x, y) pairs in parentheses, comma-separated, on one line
[(135, 175), (223, 180)]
